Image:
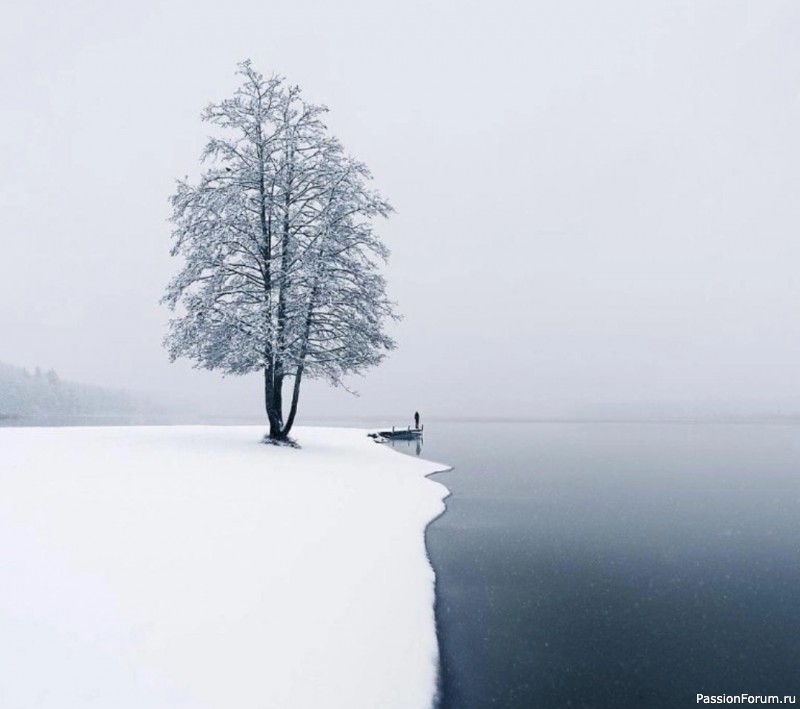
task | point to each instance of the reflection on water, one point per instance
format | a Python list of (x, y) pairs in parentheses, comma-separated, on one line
[(408, 446)]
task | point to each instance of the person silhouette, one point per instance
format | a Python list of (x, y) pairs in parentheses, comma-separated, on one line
[(416, 419)]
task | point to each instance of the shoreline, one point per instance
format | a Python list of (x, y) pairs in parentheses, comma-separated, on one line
[(438, 697)]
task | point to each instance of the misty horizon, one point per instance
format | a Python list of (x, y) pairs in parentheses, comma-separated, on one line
[(146, 409), (596, 206)]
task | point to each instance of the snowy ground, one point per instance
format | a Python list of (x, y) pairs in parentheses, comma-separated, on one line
[(192, 567)]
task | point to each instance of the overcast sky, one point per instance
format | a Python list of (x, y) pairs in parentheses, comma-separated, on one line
[(597, 202)]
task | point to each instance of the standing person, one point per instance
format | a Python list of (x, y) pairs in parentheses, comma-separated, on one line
[(416, 419)]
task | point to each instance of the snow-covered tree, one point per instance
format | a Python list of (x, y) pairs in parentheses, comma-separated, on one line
[(281, 263)]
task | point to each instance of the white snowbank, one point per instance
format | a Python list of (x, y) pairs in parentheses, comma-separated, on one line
[(193, 567)]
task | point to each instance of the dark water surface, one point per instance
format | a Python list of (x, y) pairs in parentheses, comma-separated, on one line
[(616, 565)]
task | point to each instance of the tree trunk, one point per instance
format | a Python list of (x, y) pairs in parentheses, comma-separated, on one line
[(273, 402), (303, 352), (295, 398)]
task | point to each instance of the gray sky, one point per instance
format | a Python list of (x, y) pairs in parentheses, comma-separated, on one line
[(596, 202)]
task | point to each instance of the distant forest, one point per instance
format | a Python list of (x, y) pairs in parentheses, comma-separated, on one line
[(26, 394)]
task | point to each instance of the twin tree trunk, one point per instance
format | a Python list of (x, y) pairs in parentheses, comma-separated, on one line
[(273, 401)]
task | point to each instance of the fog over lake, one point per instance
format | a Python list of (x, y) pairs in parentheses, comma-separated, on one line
[(596, 202)]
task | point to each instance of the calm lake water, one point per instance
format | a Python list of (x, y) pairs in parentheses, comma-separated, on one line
[(616, 565)]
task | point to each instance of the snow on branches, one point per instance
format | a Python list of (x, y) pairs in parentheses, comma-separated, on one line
[(281, 263)]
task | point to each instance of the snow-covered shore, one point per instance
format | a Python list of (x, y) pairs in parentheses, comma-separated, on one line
[(193, 567)]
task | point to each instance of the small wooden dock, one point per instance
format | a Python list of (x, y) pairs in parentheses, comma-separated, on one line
[(399, 434)]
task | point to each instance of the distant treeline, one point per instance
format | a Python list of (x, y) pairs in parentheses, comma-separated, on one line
[(37, 393)]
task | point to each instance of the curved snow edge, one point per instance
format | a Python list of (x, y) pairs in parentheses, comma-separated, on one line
[(432, 469)]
